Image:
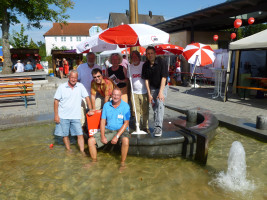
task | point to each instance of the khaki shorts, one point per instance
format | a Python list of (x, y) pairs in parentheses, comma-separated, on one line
[(109, 135)]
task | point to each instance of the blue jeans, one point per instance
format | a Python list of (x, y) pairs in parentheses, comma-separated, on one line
[(68, 126), (158, 107)]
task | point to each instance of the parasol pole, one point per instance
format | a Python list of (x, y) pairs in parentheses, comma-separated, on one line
[(194, 66), (138, 131)]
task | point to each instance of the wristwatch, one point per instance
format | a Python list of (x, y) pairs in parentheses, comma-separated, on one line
[(117, 136)]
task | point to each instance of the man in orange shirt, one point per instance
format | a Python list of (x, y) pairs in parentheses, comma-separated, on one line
[(101, 89)]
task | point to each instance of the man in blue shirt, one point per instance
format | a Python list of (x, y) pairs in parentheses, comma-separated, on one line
[(113, 126), (67, 109)]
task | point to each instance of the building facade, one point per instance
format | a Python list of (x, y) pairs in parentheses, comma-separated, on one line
[(67, 36)]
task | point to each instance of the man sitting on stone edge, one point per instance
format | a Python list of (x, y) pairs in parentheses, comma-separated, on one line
[(113, 127), (67, 110)]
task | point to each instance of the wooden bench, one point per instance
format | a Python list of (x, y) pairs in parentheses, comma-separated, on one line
[(19, 80), (251, 88), (23, 90)]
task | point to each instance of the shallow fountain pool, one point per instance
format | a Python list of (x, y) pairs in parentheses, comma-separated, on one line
[(29, 169)]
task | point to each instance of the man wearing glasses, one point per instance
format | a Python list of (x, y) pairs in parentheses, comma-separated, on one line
[(113, 127), (101, 89)]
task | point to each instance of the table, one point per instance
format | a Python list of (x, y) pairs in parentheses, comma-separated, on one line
[(194, 74), (258, 79), (218, 82)]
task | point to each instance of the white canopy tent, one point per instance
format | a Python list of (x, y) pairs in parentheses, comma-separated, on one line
[(256, 41)]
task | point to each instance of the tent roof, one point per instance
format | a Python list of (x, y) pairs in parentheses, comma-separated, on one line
[(256, 41)]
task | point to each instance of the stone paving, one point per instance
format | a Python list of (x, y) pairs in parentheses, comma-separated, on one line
[(13, 113)]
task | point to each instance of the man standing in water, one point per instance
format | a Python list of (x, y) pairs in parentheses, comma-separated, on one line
[(67, 110), (113, 127), (155, 73)]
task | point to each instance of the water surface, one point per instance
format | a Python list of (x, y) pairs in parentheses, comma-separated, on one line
[(30, 170)]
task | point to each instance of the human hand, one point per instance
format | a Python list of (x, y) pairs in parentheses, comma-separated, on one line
[(160, 96), (90, 113), (104, 140), (56, 119), (114, 140), (150, 99)]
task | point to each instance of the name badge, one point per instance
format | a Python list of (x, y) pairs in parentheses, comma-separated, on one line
[(120, 116)]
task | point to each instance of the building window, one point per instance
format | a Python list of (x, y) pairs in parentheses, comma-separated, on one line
[(78, 38), (71, 39), (63, 39), (55, 38)]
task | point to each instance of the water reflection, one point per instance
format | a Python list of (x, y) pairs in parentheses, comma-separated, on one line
[(31, 170)]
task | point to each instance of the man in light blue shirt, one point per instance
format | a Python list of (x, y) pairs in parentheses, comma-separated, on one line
[(67, 109), (113, 126)]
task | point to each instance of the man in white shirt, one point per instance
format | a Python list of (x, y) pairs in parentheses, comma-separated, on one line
[(19, 67), (85, 71), (139, 90), (67, 103)]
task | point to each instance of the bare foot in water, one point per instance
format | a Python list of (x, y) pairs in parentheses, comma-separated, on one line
[(83, 153), (122, 167), (89, 165)]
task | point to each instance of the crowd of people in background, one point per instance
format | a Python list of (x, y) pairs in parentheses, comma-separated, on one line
[(27, 66), (108, 90)]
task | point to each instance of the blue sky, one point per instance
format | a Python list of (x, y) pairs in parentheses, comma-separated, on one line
[(97, 11)]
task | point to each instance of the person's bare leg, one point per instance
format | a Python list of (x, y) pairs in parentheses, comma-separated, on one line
[(66, 141), (124, 149), (81, 143), (92, 148)]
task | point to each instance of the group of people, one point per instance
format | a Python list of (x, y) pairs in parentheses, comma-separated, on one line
[(20, 67), (109, 92), (62, 67)]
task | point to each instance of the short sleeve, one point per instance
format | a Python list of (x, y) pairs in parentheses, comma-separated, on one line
[(104, 111), (127, 113), (145, 72), (58, 93), (83, 91)]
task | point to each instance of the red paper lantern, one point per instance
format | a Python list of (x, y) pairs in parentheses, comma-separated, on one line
[(233, 36), (36, 54), (251, 20), (27, 55), (215, 37), (237, 23), (14, 55)]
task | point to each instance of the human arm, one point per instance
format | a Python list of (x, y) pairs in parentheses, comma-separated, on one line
[(102, 131), (93, 101), (150, 98), (120, 132), (56, 116), (90, 112), (162, 86), (125, 80)]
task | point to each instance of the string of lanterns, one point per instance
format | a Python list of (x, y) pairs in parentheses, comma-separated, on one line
[(237, 24)]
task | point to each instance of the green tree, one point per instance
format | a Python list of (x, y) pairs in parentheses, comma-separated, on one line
[(34, 12), (19, 40), (42, 51), (32, 45)]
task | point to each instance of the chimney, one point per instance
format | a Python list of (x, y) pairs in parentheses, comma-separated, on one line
[(150, 14)]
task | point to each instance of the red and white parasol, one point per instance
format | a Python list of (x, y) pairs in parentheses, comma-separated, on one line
[(124, 35), (174, 49), (199, 54)]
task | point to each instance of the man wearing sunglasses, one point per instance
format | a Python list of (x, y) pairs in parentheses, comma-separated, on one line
[(101, 89)]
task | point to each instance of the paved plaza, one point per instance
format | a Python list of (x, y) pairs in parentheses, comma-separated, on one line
[(41, 108)]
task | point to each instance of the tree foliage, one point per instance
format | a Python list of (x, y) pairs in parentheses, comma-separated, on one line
[(35, 12), (19, 40)]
